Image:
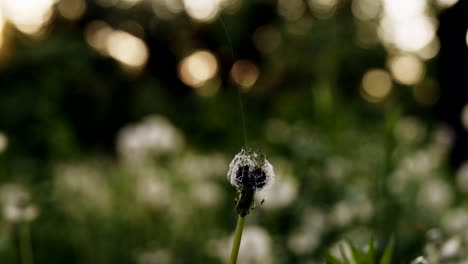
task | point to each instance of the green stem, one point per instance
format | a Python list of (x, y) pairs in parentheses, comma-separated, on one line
[(237, 239), (25, 245)]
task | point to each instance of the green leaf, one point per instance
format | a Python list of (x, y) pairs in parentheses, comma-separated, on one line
[(358, 257), (387, 255), (330, 259), (343, 254), (370, 255)]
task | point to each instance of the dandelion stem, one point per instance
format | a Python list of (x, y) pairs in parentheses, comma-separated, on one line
[(25, 244), (237, 239)]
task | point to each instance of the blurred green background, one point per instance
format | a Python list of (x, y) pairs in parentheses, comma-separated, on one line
[(118, 120)]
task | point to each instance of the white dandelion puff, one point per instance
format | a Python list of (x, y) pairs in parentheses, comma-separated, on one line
[(249, 172), (252, 170)]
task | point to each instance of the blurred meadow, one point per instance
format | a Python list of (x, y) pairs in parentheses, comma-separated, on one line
[(119, 118)]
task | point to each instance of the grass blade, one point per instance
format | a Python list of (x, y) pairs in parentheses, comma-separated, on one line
[(387, 255), (330, 259)]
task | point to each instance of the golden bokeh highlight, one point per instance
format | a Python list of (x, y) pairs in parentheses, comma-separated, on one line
[(404, 9), (127, 49), (406, 25), (430, 50), (202, 10), (96, 35), (3, 142), (71, 9), (28, 16), (130, 51), (406, 69), (2, 27), (376, 85), (244, 73), (408, 35), (197, 68)]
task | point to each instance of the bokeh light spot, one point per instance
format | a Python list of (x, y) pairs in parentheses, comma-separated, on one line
[(127, 49), (403, 9), (2, 26), (29, 16), (244, 73), (202, 10), (3, 142), (406, 25), (197, 68), (406, 69), (96, 34), (376, 84), (409, 35), (430, 50)]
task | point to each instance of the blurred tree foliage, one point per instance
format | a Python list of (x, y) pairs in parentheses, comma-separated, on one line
[(105, 163)]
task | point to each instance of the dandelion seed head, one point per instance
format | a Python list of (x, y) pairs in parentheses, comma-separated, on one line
[(250, 169), (249, 172)]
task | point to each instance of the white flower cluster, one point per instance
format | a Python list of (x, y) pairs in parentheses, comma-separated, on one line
[(154, 135), (17, 205)]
